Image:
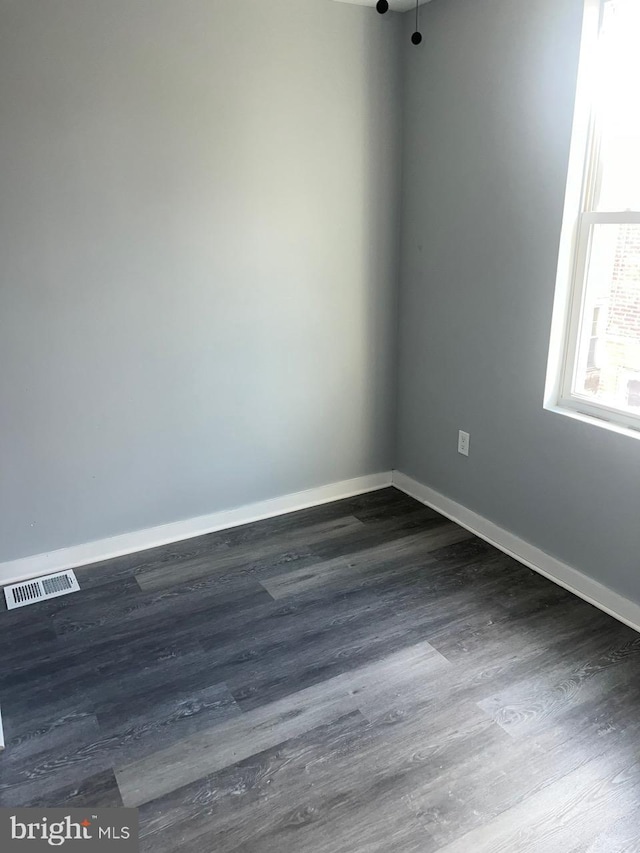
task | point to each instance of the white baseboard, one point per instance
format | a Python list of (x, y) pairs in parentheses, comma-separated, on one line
[(24, 568), (590, 590)]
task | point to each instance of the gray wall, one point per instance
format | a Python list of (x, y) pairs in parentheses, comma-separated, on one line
[(488, 112), (198, 223)]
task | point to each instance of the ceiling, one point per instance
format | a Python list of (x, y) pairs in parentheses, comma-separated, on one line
[(394, 5)]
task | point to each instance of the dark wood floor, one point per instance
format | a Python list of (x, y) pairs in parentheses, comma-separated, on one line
[(363, 676)]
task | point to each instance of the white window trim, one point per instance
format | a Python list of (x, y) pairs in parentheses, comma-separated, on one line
[(577, 224)]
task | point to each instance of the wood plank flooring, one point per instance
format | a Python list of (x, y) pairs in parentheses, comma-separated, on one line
[(360, 677)]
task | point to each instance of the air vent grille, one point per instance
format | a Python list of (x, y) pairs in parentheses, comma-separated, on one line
[(56, 584), (40, 589)]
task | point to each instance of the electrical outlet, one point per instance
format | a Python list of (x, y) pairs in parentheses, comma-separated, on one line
[(463, 442)]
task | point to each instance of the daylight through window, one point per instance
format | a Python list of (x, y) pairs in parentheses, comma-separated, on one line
[(601, 369)]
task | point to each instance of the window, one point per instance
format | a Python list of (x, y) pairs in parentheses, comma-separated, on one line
[(597, 370)]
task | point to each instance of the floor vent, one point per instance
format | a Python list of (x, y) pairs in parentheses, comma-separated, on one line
[(39, 589)]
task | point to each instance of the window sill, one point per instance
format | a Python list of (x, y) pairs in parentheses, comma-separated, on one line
[(576, 415)]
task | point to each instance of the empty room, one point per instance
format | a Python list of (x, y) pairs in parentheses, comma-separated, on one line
[(320, 426)]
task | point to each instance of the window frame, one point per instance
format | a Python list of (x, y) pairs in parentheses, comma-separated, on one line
[(579, 221), (586, 222)]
